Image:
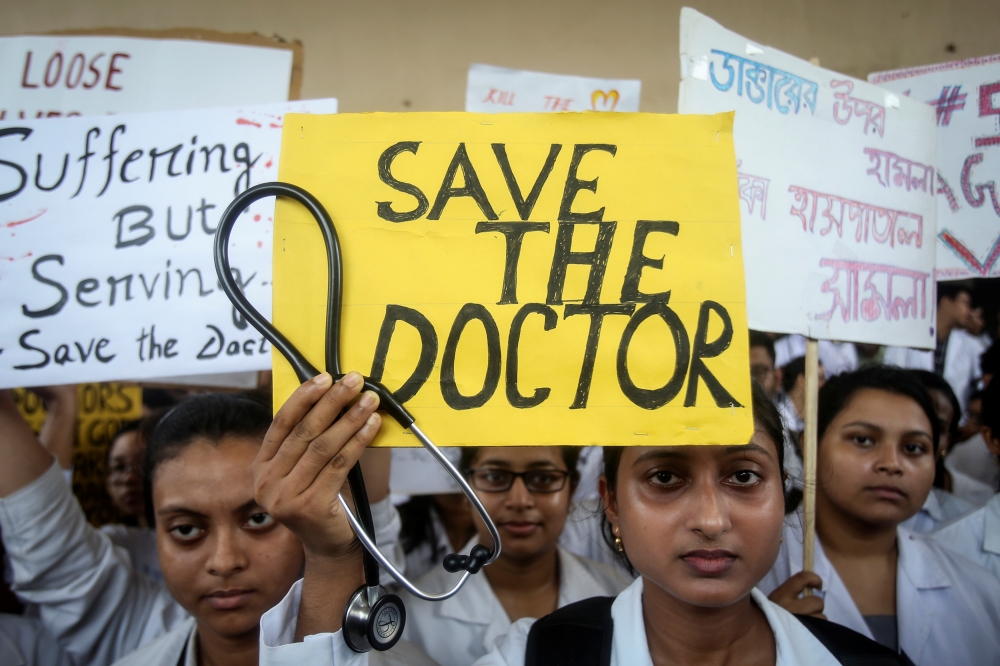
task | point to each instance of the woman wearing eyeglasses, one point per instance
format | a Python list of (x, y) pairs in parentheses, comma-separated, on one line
[(527, 492)]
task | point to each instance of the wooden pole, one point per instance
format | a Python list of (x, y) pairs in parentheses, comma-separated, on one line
[(809, 455)]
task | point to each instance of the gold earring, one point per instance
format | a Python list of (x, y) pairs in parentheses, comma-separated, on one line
[(619, 545)]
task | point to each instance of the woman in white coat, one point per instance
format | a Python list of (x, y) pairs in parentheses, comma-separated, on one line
[(701, 525), (224, 559), (976, 535), (877, 433), (527, 491)]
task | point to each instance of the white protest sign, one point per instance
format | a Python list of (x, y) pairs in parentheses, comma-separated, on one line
[(53, 76), (499, 90), (965, 95), (836, 181), (106, 266), (416, 472)]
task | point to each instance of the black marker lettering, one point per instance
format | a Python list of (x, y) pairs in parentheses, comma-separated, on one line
[(597, 260), (597, 314), (525, 206), (655, 398), (704, 349), (638, 261), (63, 294), (449, 388), (471, 188), (514, 396), (574, 184), (514, 234), (428, 349), (385, 210)]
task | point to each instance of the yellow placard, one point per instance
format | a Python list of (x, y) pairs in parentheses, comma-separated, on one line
[(101, 411), (525, 279)]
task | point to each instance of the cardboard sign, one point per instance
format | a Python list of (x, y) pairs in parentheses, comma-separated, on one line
[(525, 279), (836, 187), (106, 268), (499, 90), (58, 76), (965, 95), (102, 409)]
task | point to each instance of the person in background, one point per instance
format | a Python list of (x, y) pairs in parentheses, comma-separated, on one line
[(224, 559), (124, 483), (700, 524), (976, 535), (433, 526), (527, 491), (942, 504), (878, 432), (956, 356), (973, 457), (762, 363), (792, 400), (972, 422), (869, 354), (836, 357)]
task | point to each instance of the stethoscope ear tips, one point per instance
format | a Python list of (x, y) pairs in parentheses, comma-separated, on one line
[(472, 562), (377, 625)]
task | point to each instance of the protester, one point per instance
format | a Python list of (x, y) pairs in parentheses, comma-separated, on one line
[(878, 432), (224, 559), (58, 433), (433, 526), (956, 356), (701, 524), (792, 400), (942, 503), (124, 484), (763, 368), (973, 457), (527, 491), (976, 535)]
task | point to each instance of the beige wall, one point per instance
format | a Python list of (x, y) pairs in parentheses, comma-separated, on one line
[(394, 55)]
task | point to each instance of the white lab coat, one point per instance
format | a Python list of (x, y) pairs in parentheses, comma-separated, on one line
[(85, 589), (421, 559), (836, 357), (947, 608), (940, 507), (961, 361), (140, 543), (796, 646), (971, 490), (975, 536), (973, 458), (459, 630), (166, 650), (25, 642)]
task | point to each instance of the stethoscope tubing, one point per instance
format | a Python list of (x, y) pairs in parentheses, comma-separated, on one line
[(304, 370)]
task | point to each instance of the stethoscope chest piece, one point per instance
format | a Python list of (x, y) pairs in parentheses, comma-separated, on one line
[(373, 619)]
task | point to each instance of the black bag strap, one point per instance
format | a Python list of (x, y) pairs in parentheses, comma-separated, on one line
[(575, 635), (849, 647)]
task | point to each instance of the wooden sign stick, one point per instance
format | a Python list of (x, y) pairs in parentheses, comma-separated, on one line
[(809, 455)]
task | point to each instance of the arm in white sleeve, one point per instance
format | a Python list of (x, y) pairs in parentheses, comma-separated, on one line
[(88, 596), (388, 524), (278, 646)]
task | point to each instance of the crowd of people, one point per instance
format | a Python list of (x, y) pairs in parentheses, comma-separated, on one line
[(232, 549)]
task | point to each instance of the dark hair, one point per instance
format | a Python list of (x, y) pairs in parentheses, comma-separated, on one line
[(991, 407), (570, 456), (933, 382), (989, 360), (758, 339), (765, 418), (212, 416), (791, 372), (951, 290), (838, 390), (143, 428)]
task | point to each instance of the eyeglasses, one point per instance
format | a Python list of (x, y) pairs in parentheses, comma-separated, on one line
[(493, 480), (120, 470)]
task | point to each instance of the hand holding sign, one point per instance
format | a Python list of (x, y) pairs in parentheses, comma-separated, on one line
[(589, 264)]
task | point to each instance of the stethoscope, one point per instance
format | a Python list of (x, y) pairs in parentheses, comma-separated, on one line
[(373, 617)]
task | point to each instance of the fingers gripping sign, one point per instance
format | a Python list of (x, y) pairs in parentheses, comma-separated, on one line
[(789, 595), (306, 456)]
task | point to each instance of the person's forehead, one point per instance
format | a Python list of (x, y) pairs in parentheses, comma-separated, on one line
[(759, 354), (885, 409), (207, 477), (519, 455), (126, 444)]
